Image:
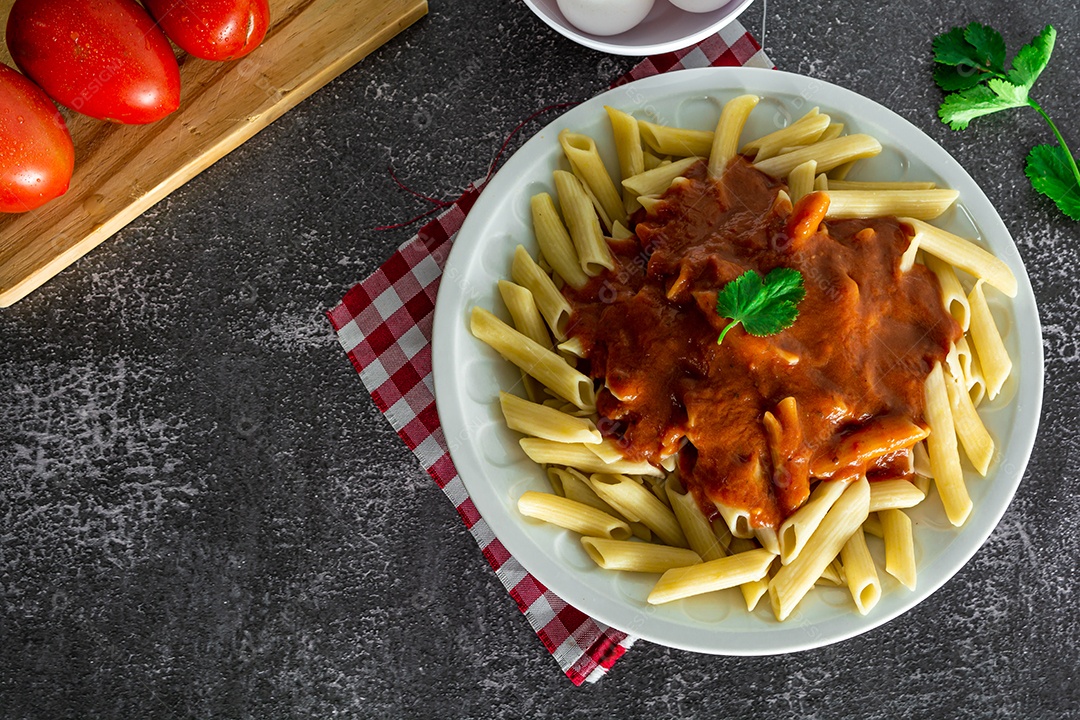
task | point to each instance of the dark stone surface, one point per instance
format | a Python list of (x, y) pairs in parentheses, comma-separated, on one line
[(203, 514)]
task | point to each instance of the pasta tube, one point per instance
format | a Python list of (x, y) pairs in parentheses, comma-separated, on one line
[(714, 575), (572, 516), (637, 556), (728, 129), (827, 154), (593, 252), (536, 360), (555, 242), (585, 160), (544, 422), (795, 579)]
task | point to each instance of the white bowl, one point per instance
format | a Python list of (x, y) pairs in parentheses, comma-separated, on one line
[(468, 374), (664, 29)]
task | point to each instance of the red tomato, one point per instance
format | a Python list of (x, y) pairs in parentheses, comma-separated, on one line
[(103, 58), (36, 154), (213, 29)]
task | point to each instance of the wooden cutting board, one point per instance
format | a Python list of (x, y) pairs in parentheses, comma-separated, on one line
[(121, 170)]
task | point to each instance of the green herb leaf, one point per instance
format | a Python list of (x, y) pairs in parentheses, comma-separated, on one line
[(979, 47), (1050, 173), (952, 48), (989, 46), (763, 306), (1017, 95), (961, 108), (971, 62), (961, 77), (1032, 58)]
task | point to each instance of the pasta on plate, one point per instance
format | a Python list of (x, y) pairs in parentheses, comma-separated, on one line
[(764, 461)]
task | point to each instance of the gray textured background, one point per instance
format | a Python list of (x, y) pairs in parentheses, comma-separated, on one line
[(202, 513)]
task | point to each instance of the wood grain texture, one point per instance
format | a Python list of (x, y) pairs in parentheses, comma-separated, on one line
[(122, 170)]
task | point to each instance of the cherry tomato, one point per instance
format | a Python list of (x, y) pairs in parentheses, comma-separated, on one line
[(103, 58), (36, 154), (213, 29)]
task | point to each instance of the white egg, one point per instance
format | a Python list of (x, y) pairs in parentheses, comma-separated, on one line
[(699, 6), (605, 17)]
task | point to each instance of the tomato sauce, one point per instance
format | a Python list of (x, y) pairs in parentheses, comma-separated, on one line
[(866, 337)]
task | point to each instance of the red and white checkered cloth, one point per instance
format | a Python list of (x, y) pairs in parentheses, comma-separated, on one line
[(384, 324)]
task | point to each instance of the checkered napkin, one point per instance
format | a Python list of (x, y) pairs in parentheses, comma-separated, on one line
[(385, 323)]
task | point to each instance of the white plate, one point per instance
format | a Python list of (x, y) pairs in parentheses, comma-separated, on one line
[(666, 28), (468, 374)]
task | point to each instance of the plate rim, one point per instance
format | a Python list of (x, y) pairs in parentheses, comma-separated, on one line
[(559, 580)]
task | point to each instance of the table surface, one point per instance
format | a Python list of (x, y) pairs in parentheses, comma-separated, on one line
[(203, 514)]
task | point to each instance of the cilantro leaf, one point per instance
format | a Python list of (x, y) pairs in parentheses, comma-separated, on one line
[(971, 67), (989, 46), (1015, 94), (763, 306), (952, 48), (961, 108), (960, 77), (1050, 173), (1032, 58), (976, 46)]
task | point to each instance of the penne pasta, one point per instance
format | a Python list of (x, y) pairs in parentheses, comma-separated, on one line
[(973, 436), (971, 371), (837, 184), (736, 519), (536, 360), (640, 505), (834, 130), (520, 303), (753, 591), (891, 494), (799, 470), (827, 154), (637, 556), (801, 180), (993, 358), (862, 577), (677, 142), (963, 254), (627, 133), (872, 526), (920, 204), (805, 131), (796, 531), (831, 575), (585, 161), (899, 546), (583, 224), (714, 575), (574, 486), (941, 446), (551, 303), (572, 516), (658, 180), (554, 240), (841, 171), (728, 129), (952, 292), (607, 450), (544, 422), (794, 580), (695, 526), (579, 457)]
